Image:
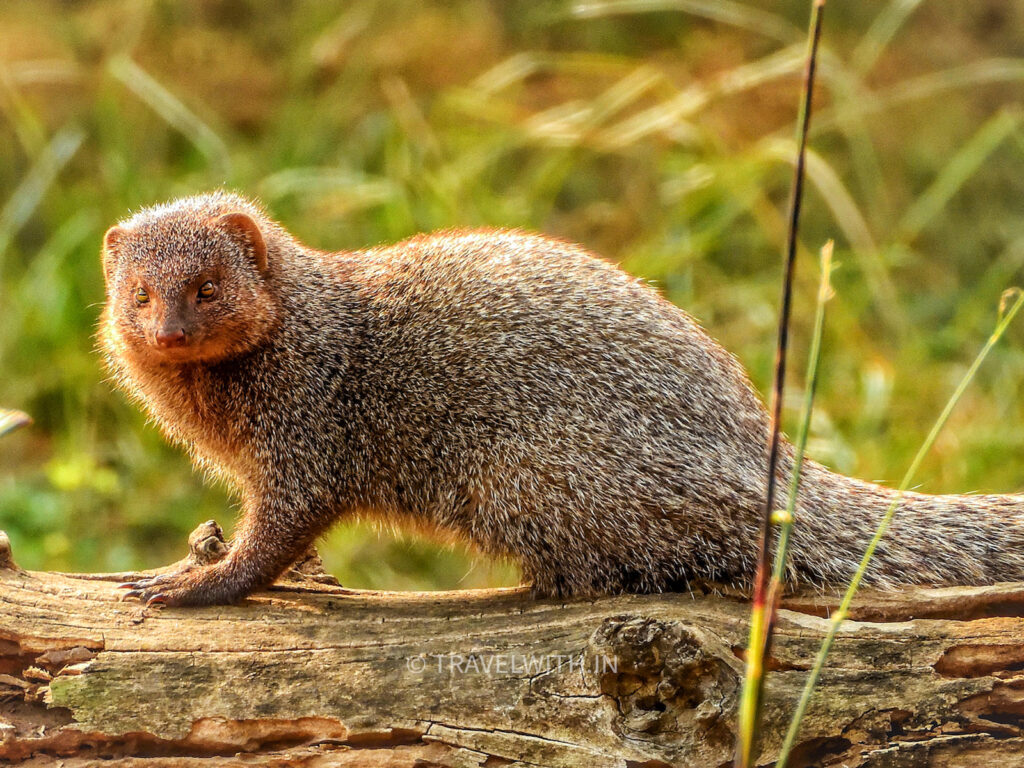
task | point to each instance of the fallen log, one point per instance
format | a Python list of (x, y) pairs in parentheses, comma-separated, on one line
[(312, 674)]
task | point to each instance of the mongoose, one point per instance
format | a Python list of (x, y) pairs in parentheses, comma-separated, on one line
[(511, 388)]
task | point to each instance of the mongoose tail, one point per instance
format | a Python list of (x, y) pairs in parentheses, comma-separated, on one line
[(933, 539)]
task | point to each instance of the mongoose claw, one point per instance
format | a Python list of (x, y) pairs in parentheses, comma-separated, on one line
[(147, 589), (149, 596), (141, 583)]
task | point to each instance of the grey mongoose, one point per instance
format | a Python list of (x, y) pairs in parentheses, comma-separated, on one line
[(511, 388)]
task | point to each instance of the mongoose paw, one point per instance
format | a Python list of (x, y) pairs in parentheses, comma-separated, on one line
[(158, 589), (206, 585)]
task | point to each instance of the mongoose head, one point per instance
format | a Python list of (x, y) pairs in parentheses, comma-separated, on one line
[(187, 282)]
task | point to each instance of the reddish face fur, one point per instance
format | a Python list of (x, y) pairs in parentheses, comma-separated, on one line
[(194, 303)]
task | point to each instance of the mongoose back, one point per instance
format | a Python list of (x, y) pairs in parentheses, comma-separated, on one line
[(511, 388)]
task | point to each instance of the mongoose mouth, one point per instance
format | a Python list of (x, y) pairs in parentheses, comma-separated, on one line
[(185, 350)]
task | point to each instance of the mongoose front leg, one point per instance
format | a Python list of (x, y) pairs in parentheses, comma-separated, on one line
[(272, 535)]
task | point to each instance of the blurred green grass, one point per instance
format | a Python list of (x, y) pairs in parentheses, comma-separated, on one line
[(656, 133)]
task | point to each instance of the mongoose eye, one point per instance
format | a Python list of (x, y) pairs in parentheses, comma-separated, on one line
[(206, 290), (141, 297)]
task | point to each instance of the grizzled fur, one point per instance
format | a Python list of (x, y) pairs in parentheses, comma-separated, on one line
[(507, 387)]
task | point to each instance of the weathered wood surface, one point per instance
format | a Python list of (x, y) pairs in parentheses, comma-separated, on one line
[(310, 674)]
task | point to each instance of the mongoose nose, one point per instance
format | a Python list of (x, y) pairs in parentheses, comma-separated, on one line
[(168, 339)]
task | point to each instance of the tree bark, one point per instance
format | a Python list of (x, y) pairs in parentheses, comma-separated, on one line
[(312, 674)]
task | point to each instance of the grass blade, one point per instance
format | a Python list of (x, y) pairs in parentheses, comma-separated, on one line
[(12, 420), (26, 123), (723, 11), (800, 444), (173, 111), (976, 73), (853, 224), (356, 190), (1011, 304), (753, 683), (30, 191), (691, 100), (882, 30), (957, 171)]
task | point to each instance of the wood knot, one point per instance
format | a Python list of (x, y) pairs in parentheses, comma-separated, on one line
[(206, 544), (6, 556), (310, 567), (668, 679)]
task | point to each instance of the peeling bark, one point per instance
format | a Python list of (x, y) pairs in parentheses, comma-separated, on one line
[(312, 674)]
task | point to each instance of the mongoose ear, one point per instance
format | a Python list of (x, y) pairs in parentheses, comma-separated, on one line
[(110, 241), (244, 225)]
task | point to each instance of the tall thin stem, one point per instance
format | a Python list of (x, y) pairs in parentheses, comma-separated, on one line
[(753, 684), (810, 388)]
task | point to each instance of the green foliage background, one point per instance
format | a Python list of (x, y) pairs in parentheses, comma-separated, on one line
[(657, 133)]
